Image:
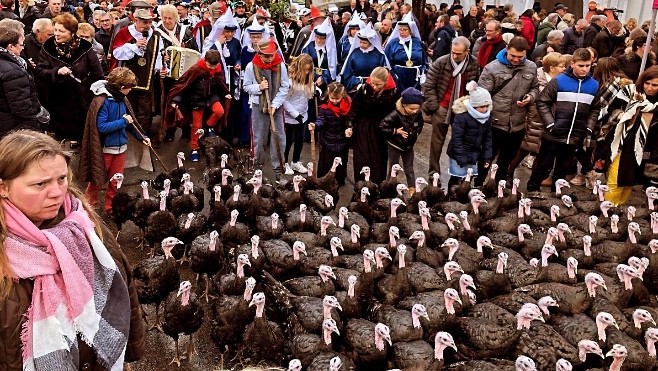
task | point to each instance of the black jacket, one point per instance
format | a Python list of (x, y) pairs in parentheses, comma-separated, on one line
[(471, 141), (630, 63), (32, 13), (443, 42), (19, 103), (607, 45), (590, 34), (331, 130), (104, 38), (412, 124), (8, 14), (572, 40)]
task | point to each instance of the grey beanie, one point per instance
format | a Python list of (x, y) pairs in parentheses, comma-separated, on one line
[(478, 96)]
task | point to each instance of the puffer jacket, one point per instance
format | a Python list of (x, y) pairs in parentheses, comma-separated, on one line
[(19, 103), (331, 130), (14, 307), (438, 79), (112, 126), (569, 108), (471, 140), (506, 114), (412, 124), (533, 125)]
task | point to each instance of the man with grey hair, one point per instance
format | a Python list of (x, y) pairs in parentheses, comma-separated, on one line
[(42, 29), (549, 24), (104, 33), (574, 37), (446, 81), (596, 25), (611, 41), (552, 44)]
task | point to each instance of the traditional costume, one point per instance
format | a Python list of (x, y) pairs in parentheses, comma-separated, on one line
[(304, 33), (324, 57), (276, 74), (145, 63), (360, 62), (406, 55), (346, 41), (246, 56)]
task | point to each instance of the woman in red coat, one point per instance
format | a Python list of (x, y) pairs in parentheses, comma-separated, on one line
[(528, 30)]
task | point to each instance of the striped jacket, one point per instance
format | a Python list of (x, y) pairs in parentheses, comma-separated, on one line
[(569, 108)]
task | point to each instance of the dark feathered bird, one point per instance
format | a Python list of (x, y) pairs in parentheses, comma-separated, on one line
[(183, 314)]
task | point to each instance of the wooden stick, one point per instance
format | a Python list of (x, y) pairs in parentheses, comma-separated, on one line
[(273, 128)]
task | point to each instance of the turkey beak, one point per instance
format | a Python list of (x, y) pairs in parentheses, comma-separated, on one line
[(611, 353), (304, 252), (426, 316), (388, 339), (248, 262), (453, 345), (335, 329), (459, 300), (252, 302), (337, 306), (530, 233)]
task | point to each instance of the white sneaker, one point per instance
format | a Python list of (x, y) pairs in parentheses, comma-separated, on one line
[(289, 170), (299, 167)]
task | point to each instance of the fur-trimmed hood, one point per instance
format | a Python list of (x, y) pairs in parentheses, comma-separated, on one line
[(459, 106)]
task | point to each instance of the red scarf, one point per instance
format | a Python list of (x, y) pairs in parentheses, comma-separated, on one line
[(341, 109), (486, 49), (274, 65), (202, 64), (390, 83)]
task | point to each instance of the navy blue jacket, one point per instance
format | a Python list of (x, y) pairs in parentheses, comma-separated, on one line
[(471, 141), (331, 130), (444, 36), (569, 108)]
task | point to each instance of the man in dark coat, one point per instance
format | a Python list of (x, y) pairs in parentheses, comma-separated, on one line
[(574, 37), (447, 72), (443, 37), (316, 18), (608, 42), (27, 14), (553, 44), (630, 62), (470, 21), (104, 34), (7, 11), (596, 25)]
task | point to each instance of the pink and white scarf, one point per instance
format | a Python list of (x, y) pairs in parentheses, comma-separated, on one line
[(74, 277)]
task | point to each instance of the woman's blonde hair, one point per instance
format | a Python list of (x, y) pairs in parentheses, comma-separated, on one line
[(302, 79), (552, 59), (18, 150), (86, 27), (170, 9), (380, 73)]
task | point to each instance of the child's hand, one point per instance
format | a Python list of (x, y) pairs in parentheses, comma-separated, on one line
[(147, 142), (348, 132), (311, 126), (401, 132), (486, 165), (128, 118)]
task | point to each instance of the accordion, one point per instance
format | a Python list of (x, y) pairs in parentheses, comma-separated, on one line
[(180, 60)]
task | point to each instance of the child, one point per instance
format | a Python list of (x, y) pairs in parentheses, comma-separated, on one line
[(112, 121), (296, 107), (402, 127), (333, 131), (471, 133), (201, 87)]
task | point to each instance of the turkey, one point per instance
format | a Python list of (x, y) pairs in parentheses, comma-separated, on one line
[(144, 207), (212, 147), (230, 316), (317, 286), (234, 232), (283, 260), (156, 277), (123, 203), (186, 202), (403, 325), (263, 339), (388, 188), (173, 175), (160, 224), (288, 201), (189, 226), (219, 213), (232, 283), (373, 188), (302, 220), (206, 257), (183, 314), (365, 343), (419, 355), (306, 347), (328, 182)]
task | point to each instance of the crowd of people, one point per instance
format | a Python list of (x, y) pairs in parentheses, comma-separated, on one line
[(363, 63)]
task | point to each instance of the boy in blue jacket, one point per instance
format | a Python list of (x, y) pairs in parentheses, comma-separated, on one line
[(113, 123)]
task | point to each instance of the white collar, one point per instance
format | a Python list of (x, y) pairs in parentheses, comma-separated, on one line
[(404, 40), (370, 48)]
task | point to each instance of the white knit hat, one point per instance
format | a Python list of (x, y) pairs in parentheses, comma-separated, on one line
[(478, 96)]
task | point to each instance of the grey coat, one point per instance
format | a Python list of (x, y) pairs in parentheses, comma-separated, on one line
[(506, 114)]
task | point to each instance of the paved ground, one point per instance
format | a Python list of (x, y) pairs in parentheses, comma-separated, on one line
[(160, 348)]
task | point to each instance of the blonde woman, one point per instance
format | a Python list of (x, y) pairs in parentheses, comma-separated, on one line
[(302, 88), (50, 242)]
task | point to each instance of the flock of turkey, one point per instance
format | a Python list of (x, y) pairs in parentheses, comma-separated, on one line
[(482, 279)]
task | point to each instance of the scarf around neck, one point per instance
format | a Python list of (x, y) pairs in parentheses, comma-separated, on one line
[(486, 49), (342, 109), (479, 116), (216, 71), (67, 49), (390, 83), (17, 58), (74, 277), (638, 112), (273, 66)]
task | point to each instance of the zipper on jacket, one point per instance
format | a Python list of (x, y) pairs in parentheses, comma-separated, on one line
[(575, 111)]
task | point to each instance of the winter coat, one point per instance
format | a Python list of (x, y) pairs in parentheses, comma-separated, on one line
[(533, 124), (112, 126), (443, 42), (607, 45), (590, 34), (471, 140), (438, 79), (506, 115), (572, 40), (542, 32), (469, 24), (331, 130), (630, 63), (528, 31), (412, 124), (569, 108), (68, 99), (32, 13), (19, 103), (540, 52), (104, 38), (14, 308)]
